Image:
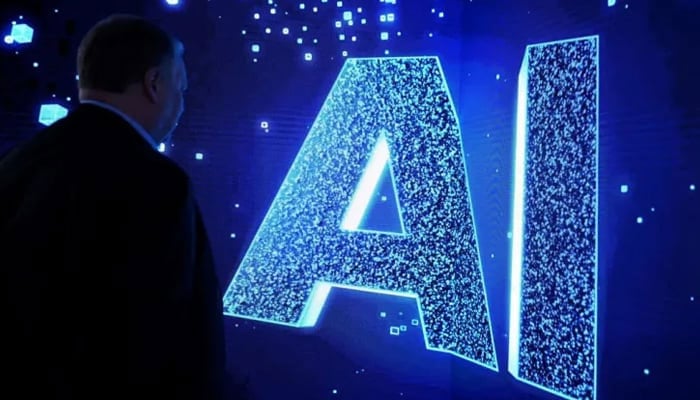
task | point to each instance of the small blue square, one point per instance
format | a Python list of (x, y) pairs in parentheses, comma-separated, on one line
[(414, 322), (22, 33), (394, 331), (382, 314), (403, 328), (199, 156), (50, 113), (347, 15), (624, 189)]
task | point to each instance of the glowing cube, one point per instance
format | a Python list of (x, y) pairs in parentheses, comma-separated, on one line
[(50, 113), (22, 33)]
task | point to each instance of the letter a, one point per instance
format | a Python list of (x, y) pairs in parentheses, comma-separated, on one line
[(308, 244)]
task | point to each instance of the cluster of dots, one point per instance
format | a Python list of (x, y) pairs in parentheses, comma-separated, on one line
[(395, 330), (349, 24)]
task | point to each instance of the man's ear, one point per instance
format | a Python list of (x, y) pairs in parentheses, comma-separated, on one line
[(151, 84)]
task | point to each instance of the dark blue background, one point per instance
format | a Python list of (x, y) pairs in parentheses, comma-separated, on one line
[(649, 273)]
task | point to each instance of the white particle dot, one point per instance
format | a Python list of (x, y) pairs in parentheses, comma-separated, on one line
[(646, 371), (640, 220)]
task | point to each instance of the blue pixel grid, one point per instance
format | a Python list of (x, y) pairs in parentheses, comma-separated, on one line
[(395, 107), (553, 314)]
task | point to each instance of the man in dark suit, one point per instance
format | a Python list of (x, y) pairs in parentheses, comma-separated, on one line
[(110, 285)]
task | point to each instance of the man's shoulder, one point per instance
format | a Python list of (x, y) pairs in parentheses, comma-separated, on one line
[(76, 149), (145, 171)]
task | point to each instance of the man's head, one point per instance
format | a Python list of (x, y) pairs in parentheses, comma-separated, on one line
[(136, 66)]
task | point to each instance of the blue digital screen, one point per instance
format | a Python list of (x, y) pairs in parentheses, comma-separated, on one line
[(456, 199)]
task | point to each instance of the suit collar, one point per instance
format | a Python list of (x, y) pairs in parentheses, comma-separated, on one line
[(135, 125)]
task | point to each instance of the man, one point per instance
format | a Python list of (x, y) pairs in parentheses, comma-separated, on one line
[(110, 285)]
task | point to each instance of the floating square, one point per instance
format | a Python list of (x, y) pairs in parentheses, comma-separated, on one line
[(50, 113), (22, 33)]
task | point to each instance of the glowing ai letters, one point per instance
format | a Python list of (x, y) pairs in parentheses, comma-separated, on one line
[(397, 113)]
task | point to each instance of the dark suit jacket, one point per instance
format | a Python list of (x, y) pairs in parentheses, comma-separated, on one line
[(110, 286)]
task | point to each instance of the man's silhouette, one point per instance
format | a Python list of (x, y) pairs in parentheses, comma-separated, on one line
[(110, 285)]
